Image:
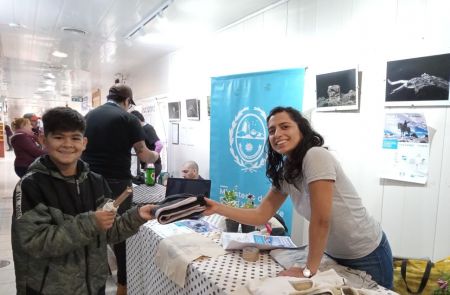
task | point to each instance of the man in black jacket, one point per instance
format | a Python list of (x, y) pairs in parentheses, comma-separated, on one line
[(112, 132)]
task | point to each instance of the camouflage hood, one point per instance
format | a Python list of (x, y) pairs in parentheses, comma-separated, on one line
[(44, 165)]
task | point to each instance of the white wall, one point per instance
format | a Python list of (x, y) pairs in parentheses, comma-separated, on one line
[(327, 35)]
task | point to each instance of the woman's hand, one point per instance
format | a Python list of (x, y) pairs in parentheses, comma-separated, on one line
[(211, 207), (291, 272)]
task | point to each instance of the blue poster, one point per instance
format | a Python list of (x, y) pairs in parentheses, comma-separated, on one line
[(239, 107)]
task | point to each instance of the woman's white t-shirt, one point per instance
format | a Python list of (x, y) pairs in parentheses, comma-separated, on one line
[(353, 232)]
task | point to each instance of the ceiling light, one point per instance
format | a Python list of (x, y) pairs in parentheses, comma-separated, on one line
[(16, 26), (49, 76), (148, 18), (74, 30), (59, 53)]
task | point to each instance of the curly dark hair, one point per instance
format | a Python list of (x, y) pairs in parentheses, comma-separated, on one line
[(63, 119), (279, 167)]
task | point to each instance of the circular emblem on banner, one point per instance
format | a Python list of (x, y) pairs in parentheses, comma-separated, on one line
[(247, 138)]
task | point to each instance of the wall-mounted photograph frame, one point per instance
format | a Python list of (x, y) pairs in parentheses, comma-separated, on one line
[(420, 81), (175, 133), (193, 109), (336, 91), (174, 111)]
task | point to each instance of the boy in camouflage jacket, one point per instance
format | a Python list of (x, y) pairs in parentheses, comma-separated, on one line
[(59, 229)]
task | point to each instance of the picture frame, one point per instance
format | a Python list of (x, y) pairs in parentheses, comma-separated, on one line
[(208, 102), (419, 81), (175, 133), (174, 111), (336, 91), (193, 109)]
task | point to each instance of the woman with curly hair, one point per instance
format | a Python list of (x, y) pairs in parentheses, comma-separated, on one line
[(339, 225)]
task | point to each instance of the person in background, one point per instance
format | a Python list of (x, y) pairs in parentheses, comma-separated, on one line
[(25, 144), (59, 230), (9, 133), (190, 170), (34, 124), (151, 141), (340, 226), (112, 132)]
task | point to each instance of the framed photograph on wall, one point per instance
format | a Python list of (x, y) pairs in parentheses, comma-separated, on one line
[(337, 91), (174, 111), (420, 81), (175, 133), (193, 109), (208, 101)]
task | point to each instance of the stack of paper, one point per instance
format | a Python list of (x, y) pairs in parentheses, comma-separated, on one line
[(234, 241)]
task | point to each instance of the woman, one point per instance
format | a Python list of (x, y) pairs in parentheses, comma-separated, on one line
[(339, 226), (25, 144)]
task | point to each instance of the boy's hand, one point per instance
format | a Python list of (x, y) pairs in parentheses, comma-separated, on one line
[(104, 219), (145, 212)]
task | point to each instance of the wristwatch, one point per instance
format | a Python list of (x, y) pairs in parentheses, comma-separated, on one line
[(306, 271)]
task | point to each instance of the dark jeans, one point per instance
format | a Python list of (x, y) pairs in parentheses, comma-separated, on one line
[(378, 264), (117, 186), (20, 171)]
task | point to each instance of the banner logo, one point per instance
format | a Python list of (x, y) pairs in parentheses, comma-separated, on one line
[(247, 137)]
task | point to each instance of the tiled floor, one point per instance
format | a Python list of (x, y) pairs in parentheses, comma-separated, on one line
[(8, 180)]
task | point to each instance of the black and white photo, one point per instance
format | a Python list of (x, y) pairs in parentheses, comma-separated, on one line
[(337, 91), (174, 111), (193, 109), (421, 81)]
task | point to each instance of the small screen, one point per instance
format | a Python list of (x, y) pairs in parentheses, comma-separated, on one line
[(188, 186)]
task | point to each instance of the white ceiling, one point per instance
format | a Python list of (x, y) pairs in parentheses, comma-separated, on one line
[(26, 60)]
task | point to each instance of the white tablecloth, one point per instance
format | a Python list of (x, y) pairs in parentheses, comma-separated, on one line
[(221, 275)]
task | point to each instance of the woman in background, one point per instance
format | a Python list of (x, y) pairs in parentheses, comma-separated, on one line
[(340, 226), (25, 144)]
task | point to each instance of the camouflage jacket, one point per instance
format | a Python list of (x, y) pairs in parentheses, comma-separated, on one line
[(57, 246)]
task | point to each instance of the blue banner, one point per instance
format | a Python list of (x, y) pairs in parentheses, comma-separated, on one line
[(239, 107)]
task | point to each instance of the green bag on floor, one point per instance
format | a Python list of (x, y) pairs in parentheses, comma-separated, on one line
[(419, 276)]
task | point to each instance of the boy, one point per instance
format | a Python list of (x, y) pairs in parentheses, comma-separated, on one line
[(59, 231)]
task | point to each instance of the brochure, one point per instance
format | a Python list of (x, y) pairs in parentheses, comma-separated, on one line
[(235, 241), (200, 226), (168, 230)]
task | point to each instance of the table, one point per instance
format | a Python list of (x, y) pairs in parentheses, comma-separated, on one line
[(148, 194), (216, 276), (220, 275)]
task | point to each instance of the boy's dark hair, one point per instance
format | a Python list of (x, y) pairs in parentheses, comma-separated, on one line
[(63, 119), (138, 115)]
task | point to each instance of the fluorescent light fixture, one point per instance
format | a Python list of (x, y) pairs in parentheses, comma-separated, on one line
[(49, 76), (59, 53), (16, 25), (148, 18)]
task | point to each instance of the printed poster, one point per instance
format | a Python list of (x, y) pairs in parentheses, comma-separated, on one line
[(406, 147), (239, 107)]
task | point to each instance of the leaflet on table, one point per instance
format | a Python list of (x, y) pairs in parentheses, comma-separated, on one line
[(184, 226), (234, 241), (170, 229), (200, 226)]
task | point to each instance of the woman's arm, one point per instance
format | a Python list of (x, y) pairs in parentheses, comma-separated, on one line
[(257, 216), (321, 196)]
